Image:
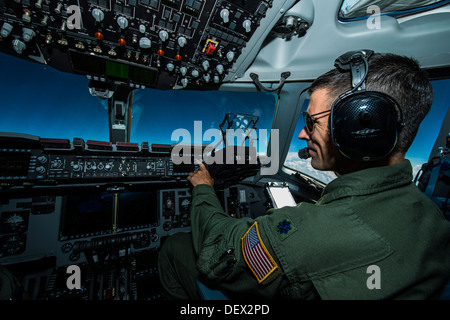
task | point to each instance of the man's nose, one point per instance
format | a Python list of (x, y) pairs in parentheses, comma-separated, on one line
[(304, 135)]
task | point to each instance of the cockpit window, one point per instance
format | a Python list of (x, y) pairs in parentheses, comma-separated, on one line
[(418, 153), (45, 102), (360, 9), (185, 116)]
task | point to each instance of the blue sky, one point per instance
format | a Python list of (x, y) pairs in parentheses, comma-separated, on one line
[(49, 103), (45, 102)]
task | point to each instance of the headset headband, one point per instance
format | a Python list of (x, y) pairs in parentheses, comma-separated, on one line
[(357, 62)]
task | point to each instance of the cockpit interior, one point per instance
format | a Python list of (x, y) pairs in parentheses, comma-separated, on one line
[(107, 104)]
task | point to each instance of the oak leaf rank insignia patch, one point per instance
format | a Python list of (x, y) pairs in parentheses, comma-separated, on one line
[(256, 255), (285, 228)]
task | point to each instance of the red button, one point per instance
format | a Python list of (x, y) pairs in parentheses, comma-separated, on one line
[(211, 48)]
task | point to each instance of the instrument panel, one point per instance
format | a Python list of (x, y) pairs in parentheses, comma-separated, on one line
[(138, 43), (27, 160), (113, 237), (105, 207)]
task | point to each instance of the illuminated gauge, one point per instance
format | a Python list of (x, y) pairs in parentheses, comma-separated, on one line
[(13, 245), (67, 247), (160, 164), (143, 240), (150, 166), (74, 257), (167, 225), (185, 204), (15, 221), (185, 220), (154, 237), (169, 203)]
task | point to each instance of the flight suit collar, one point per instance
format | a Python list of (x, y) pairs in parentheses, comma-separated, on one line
[(368, 181)]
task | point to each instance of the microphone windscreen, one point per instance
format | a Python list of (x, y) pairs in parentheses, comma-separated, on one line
[(303, 153)]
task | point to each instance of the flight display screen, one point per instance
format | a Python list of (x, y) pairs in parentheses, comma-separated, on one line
[(117, 70), (14, 164), (88, 215), (137, 209)]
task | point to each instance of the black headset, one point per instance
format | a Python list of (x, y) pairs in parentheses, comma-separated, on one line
[(364, 125)]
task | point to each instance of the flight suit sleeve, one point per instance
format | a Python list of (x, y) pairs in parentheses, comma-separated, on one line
[(222, 256)]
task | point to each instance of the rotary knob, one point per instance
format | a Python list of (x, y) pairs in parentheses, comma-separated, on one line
[(40, 169), (122, 22), (182, 42), (195, 73), (58, 8), (170, 66), (145, 43), (6, 29), (225, 15), (98, 15), (230, 56), (247, 24), (38, 4), (42, 159), (205, 65), (219, 68), (18, 46), (163, 35), (28, 34), (183, 71)]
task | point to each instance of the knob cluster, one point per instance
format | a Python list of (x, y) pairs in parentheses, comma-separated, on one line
[(225, 15), (19, 45)]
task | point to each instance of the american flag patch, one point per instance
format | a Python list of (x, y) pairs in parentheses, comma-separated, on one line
[(256, 254)]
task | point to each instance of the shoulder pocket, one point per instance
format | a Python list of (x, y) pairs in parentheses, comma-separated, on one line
[(215, 259)]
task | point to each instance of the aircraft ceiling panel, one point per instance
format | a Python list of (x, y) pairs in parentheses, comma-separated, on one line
[(424, 37)]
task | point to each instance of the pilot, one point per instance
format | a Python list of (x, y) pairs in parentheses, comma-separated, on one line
[(371, 235)]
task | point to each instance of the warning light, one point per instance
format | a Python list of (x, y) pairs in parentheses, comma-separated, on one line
[(122, 42), (210, 46), (210, 49), (99, 35), (178, 57), (160, 52)]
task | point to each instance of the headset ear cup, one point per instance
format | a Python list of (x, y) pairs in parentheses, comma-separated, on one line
[(331, 121), (364, 125)]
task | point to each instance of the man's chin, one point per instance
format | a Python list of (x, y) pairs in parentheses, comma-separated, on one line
[(319, 165), (316, 164)]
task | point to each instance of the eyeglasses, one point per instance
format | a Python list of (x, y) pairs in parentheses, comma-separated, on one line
[(310, 121)]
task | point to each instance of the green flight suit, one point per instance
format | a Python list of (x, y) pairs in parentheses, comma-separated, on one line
[(372, 235)]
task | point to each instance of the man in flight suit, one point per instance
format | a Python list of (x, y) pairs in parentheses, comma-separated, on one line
[(370, 221)]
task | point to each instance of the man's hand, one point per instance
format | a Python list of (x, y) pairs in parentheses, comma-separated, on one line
[(200, 176)]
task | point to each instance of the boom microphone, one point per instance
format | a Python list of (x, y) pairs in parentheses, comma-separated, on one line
[(303, 153)]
